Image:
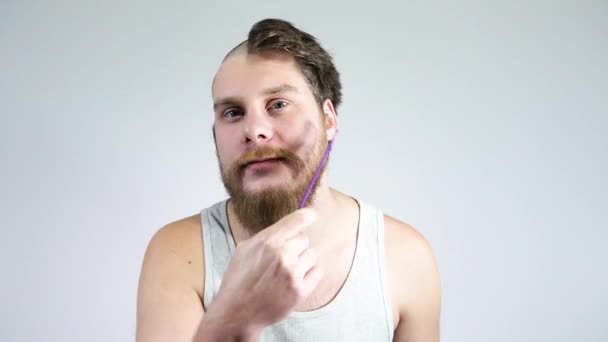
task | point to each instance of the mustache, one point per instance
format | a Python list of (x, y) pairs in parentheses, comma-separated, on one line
[(266, 152)]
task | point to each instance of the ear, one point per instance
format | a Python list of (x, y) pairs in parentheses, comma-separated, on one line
[(331, 119)]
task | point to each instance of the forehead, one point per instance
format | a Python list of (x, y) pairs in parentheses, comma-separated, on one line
[(244, 75)]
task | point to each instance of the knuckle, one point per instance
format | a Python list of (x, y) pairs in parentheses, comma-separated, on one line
[(311, 256), (293, 283), (300, 216), (305, 239), (269, 244), (283, 262)]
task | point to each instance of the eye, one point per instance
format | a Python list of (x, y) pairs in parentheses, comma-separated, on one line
[(232, 113), (279, 104)]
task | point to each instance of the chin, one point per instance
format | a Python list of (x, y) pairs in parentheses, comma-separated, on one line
[(268, 182), (267, 187)]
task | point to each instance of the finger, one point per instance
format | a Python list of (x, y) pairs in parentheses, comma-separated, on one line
[(311, 280), (296, 245), (305, 263), (290, 225)]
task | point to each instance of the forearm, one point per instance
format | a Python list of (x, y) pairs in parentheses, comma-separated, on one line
[(218, 326)]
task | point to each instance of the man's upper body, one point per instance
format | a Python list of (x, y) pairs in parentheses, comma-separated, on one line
[(275, 105)]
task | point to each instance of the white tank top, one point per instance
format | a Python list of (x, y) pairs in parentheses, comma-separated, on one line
[(361, 311)]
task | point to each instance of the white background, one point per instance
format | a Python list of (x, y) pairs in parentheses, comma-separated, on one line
[(481, 123)]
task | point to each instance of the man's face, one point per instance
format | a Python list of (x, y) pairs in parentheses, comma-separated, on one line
[(269, 133)]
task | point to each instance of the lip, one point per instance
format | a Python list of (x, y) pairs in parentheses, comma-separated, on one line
[(261, 163)]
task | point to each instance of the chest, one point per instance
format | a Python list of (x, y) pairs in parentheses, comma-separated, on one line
[(336, 266)]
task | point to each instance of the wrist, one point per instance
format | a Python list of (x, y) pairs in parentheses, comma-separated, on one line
[(224, 326)]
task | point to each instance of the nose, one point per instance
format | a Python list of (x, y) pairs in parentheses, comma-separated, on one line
[(257, 128)]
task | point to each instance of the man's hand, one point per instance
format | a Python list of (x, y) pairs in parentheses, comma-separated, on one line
[(268, 276)]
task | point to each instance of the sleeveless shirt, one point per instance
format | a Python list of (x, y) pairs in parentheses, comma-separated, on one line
[(361, 311)]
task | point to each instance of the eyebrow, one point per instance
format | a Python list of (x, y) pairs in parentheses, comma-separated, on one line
[(270, 91)]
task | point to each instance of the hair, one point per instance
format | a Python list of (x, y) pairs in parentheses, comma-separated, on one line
[(277, 35)]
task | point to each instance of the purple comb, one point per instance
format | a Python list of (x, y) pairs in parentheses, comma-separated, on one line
[(317, 173)]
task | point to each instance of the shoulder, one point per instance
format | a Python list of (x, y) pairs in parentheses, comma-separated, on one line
[(169, 304), (413, 277), (181, 237), (406, 244), (176, 250)]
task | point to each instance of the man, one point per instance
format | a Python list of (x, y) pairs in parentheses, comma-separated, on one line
[(255, 267)]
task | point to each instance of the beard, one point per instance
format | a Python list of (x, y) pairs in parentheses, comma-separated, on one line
[(257, 210)]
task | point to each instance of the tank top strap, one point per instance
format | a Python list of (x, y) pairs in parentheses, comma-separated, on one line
[(218, 246)]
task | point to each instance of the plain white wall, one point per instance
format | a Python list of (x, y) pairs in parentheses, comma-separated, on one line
[(481, 123)]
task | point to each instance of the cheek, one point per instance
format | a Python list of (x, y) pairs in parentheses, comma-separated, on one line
[(305, 139), (224, 151)]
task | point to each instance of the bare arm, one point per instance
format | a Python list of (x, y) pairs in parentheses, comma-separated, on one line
[(276, 267), (415, 284), (169, 307)]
